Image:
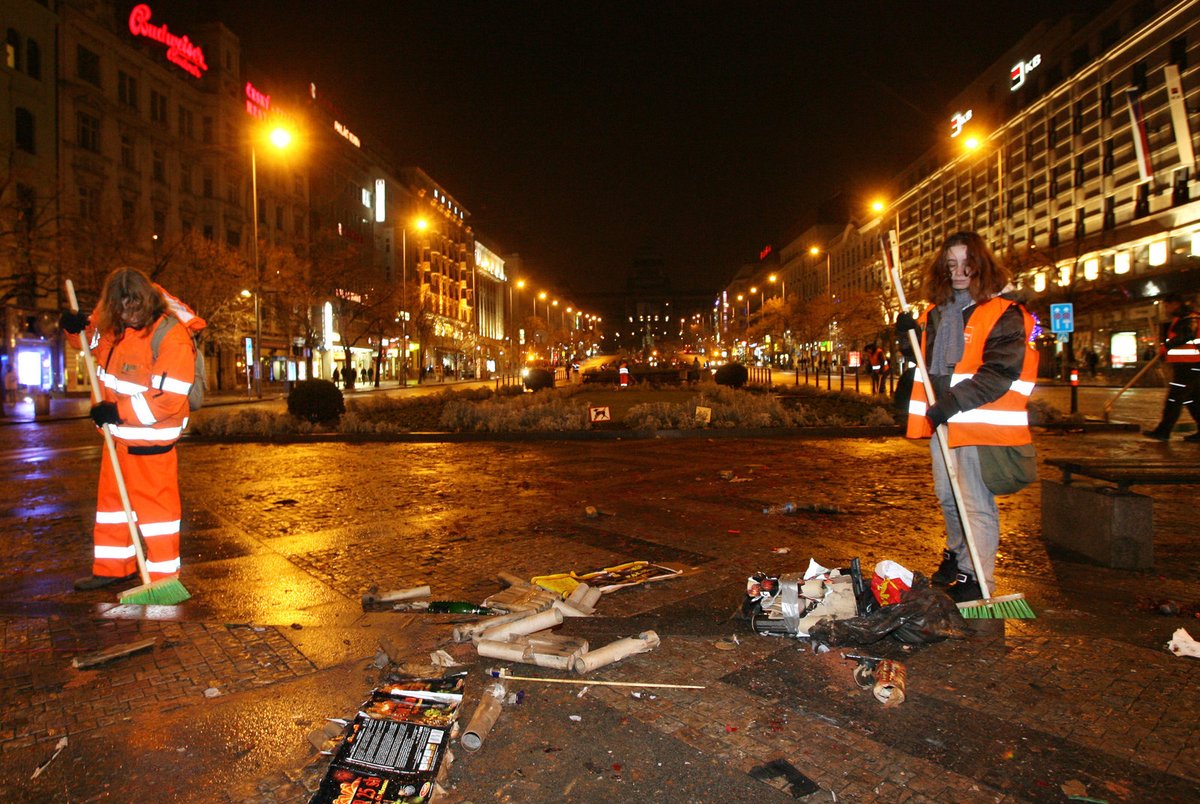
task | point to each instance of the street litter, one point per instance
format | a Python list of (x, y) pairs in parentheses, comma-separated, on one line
[(616, 651), (889, 683), (115, 652), (503, 673), (923, 615), (373, 598), (486, 715), (609, 579), (58, 748), (396, 747), (592, 512), (1182, 644), (791, 603), (793, 507), (441, 607)]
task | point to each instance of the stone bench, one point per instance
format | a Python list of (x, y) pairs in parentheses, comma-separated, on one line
[(1107, 522)]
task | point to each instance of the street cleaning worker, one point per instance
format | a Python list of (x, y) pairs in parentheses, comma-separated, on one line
[(623, 376), (1181, 343), (145, 399), (977, 345)]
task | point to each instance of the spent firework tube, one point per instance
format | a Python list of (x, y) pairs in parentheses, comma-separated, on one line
[(889, 682)]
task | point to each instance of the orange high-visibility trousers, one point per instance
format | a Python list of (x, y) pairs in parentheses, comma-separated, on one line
[(153, 485)]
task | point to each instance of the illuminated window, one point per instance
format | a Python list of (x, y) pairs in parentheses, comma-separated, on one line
[(1121, 262), (1195, 245), (1158, 253), (1064, 276), (1091, 268), (1039, 282)]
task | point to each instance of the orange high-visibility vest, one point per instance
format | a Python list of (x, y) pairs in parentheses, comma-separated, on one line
[(1004, 422), (1189, 351)]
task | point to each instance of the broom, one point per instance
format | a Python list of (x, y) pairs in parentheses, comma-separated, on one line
[(1006, 607), (165, 592)]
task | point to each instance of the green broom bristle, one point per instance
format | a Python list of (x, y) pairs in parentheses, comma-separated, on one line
[(167, 592), (1014, 608)]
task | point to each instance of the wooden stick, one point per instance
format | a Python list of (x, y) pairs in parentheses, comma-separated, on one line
[(114, 652), (502, 673)]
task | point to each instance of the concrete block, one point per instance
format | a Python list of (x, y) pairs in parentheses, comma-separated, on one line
[(1111, 527)]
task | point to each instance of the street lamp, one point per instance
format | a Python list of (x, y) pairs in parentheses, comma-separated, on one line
[(973, 143), (421, 225), (782, 283), (815, 250), (281, 138)]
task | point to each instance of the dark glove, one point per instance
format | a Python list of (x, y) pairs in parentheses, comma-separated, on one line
[(73, 322), (941, 412), (905, 322), (105, 413)]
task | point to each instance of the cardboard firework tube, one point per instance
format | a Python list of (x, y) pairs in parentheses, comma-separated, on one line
[(554, 661), (616, 651), (526, 625), (469, 631), (509, 651), (578, 594), (568, 610), (513, 580), (592, 598), (486, 715), (396, 595), (889, 683)]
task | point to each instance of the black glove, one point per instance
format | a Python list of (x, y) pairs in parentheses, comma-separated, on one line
[(73, 322), (105, 413), (905, 322), (941, 412)]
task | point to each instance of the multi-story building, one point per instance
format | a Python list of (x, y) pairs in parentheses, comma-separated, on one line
[(1082, 177), (492, 287)]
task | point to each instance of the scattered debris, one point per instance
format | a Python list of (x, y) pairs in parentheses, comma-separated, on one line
[(1073, 788), (372, 599), (440, 658), (115, 652), (616, 651), (575, 718), (503, 673), (486, 715), (781, 551), (889, 682), (58, 748), (1182, 644), (212, 692), (795, 782)]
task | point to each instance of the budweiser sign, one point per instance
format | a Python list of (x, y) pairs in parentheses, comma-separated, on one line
[(181, 51)]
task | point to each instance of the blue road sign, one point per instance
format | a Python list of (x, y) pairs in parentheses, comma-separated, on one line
[(1062, 318)]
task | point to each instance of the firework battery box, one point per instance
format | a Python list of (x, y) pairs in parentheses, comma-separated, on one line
[(788, 605)]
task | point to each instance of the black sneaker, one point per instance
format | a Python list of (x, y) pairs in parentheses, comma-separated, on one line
[(947, 571), (1157, 435), (964, 588), (100, 581)]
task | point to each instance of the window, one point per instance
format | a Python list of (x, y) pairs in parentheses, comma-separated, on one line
[(208, 231), (233, 238), (1110, 213), (26, 206), (33, 59), (126, 211), (127, 160), (24, 131), (186, 126), (278, 217), (1138, 76), (89, 203), (158, 107), (208, 184), (87, 65), (1106, 158), (160, 223), (87, 132), (127, 90), (206, 128), (185, 226), (12, 50), (159, 166), (1178, 52), (1106, 100), (185, 177)]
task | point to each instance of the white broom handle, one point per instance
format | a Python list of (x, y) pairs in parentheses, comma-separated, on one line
[(110, 446), (892, 259)]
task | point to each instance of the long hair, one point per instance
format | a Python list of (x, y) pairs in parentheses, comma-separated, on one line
[(128, 293), (989, 276)]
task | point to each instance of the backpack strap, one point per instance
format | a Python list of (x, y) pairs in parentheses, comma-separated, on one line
[(160, 332)]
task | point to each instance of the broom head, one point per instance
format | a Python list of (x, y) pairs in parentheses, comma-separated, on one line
[(165, 592), (1004, 607)]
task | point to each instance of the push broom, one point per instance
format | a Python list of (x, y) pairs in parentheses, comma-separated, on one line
[(1006, 607), (165, 592)]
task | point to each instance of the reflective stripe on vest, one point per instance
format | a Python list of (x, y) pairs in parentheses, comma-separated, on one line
[(1188, 351)]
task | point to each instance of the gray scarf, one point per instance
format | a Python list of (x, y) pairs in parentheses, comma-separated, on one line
[(948, 341)]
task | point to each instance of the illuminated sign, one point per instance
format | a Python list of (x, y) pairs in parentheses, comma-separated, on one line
[(181, 51), (380, 201), (1016, 76), (350, 136), (257, 103), (957, 121), (766, 252)]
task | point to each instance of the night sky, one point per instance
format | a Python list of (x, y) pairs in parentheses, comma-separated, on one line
[(585, 134)]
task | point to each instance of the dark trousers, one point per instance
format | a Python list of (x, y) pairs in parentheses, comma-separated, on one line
[(1183, 392)]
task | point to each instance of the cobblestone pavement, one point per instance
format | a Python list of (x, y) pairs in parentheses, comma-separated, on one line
[(281, 541)]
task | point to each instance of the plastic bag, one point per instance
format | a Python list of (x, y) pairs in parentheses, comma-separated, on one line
[(890, 582), (924, 615)]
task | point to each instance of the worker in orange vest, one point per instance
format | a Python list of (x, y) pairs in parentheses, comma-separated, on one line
[(623, 377), (1181, 347), (977, 344), (145, 402)]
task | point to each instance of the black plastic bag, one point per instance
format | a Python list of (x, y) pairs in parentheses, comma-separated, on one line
[(924, 615)]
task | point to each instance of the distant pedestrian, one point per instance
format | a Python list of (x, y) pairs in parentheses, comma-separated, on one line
[(875, 360), (337, 377), (348, 377), (1091, 360), (1181, 347), (10, 385)]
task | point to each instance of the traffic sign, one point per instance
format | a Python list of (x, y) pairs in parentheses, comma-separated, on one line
[(601, 414), (1062, 317)]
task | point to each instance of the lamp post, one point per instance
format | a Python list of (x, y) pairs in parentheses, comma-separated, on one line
[(245, 294), (280, 138), (421, 225)]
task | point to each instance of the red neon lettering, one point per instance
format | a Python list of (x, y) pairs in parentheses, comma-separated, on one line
[(181, 51)]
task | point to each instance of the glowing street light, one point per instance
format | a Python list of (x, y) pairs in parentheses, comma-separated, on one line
[(421, 225), (280, 138)]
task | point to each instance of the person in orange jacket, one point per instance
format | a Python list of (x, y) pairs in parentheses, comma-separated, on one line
[(1181, 347), (145, 404), (977, 344)]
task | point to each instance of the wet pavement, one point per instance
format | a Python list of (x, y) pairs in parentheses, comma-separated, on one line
[(280, 542)]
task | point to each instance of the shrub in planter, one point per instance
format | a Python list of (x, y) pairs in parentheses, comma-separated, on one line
[(317, 401), (539, 378), (734, 375)]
